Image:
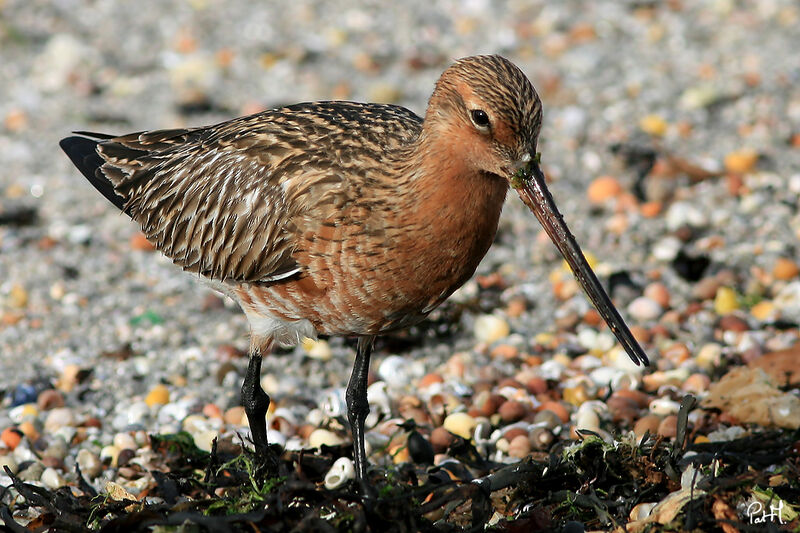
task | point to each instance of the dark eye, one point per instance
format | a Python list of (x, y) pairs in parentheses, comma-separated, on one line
[(479, 118)]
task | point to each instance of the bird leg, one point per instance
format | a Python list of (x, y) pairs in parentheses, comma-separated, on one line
[(358, 406), (256, 403)]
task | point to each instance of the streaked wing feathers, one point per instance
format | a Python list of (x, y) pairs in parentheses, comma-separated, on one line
[(227, 201)]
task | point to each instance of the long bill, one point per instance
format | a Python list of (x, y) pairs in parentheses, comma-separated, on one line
[(529, 182)]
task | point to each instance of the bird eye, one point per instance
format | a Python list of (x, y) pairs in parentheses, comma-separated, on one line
[(479, 118)]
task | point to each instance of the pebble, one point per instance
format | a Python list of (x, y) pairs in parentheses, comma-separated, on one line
[(587, 419), (158, 395), (682, 214), (11, 437), (52, 479), (659, 293), (58, 418), (666, 249), (644, 309), (654, 125), (49, 399), (519, 447), (709, 356), (785, 269), (460, 424), (648, 423), (512, 411), (10, 462), (741, 161), (317, 349), (603, 189), (320, 437), (725, 301), (668, 427), (24, 393), (33, 472), (549, 409), (110, 453), (541, 438), (90, 463), (441, 439), (490, 328), (57, 449), (696, 384)]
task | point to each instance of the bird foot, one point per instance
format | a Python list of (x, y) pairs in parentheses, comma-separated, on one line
[(265, 461)]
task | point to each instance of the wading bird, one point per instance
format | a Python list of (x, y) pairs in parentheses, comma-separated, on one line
[(341, 218)]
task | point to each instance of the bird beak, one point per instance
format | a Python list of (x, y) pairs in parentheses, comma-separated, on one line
[(529, 182)]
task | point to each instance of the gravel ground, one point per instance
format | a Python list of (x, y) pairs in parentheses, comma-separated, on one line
[(680, 119)]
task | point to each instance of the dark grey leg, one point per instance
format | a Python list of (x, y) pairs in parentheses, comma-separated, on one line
[(357, 405), (256, 403)]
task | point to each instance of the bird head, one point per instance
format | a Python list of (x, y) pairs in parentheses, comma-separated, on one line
[(490, 108)]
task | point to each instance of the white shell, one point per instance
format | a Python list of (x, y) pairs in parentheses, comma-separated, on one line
[(340, 473)]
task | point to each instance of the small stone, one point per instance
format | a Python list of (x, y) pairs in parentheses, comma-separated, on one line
[(49, 399), (709, 356), (205, 439), (733, 323), (741, 161), (317, 349), (696, 384), (491, 328), (676, 353), (58, 418), (536, 385), (587, 419), (70, 377), (659, 293), (644, 309), (158, 395), (504, 351), (706, 288), (57, 449), (28, 428), (653, 125), (320, 437), (763, 311), (575, 395), (512, 411), (90, 464), (11, 437), (519, 447), (10, 462), (33, 472), (725, 301), (668, 427), (555, 408), (666, 249), (429, 379), (124, 440), (647, 424), (460, 424), (110, 453), (124, 456), (541, 438), (17, 297), (235, 416), (441, 439), (603, 188), (785, 269), (140, 243), (622, 409)]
